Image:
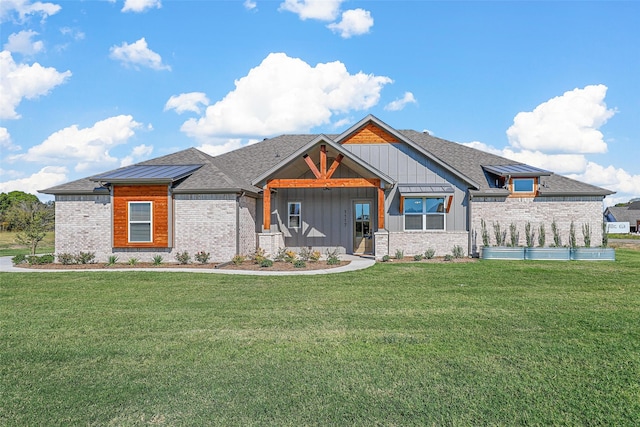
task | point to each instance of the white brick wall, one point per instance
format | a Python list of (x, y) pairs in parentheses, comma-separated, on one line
[(247, 227), (83, 223), (416, 242), (519, 211)]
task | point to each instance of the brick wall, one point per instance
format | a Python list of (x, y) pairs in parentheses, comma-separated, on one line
[(537, 211), (83, 223), (247, 226), (416, 242)]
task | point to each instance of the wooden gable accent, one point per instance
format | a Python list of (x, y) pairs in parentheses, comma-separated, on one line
[(159, 198), (371, 134)]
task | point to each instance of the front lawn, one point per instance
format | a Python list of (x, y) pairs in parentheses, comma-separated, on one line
[(9, 247), (484, 343)]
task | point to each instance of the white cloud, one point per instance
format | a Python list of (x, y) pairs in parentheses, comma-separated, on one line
[(138, 54), (610, 177), (73, 33), (558, 163), (215, 148), (480, 146), (25, 8), (18, 81), (323, 10), (250, 5), (139, 153), (286, 95), (187, 102), (22, 43), (568, 123), (140, 5), (46, 177), (354, 23), (399, 104), (86, 148), (5, 141)]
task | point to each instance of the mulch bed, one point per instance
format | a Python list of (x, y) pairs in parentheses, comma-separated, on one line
[(246, 265)]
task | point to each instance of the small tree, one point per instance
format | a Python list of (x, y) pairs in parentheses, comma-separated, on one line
[(514, 235), (484, 233), (542, 236), (573, 242), (33, 219), (557, 240), (586, 234), (529, 234), (500, 235)]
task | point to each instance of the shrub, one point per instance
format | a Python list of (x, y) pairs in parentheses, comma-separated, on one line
[(333, 258), (457, 251), (65, 258), (586, 234), (266, 262), (605, 236), (183, 257), (238, 259), (501, 236), (573, 242), (542, 236), (133, 261), (259, 256), (299, 263), (386, 258), (39, 260), (157, 259), (557, 240), (280, 254), (112, 259), (417, 257), (85, 257), (429, 253), (315, 256), (305, 253), (514, 235), (19, 259), (203, 257), (290, 256), (529, 234), (448, 257), (399, 254), (484, 233)]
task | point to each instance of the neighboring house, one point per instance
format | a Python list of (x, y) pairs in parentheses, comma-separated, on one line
[(629, 213), (372, 190)]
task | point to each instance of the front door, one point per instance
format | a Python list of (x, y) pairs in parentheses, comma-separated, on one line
[(362, 227)]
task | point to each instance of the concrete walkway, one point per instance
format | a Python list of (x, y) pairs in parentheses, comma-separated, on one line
[(356, 263)]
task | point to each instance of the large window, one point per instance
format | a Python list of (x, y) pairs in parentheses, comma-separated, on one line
[(424, 213), (140, 222), (523, 185), (295, 216)]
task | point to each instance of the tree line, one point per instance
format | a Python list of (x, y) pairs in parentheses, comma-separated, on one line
[(25, 214)]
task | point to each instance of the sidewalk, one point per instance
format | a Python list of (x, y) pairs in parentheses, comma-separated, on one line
[(357, 263)]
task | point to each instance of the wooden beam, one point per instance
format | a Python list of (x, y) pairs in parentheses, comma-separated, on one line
[(380, 208), (334, 166), (449, 203), (312, 166), (325, 183), (266, 208), (323, 161)]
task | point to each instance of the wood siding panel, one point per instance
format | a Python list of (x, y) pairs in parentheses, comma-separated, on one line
[(371, 134), (158, 196)]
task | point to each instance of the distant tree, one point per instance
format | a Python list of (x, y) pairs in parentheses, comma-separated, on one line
[(12, 198), (33, 219)]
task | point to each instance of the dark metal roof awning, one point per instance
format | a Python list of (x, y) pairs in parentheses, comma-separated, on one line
[(147, 173), (424, 189), (516, 170)]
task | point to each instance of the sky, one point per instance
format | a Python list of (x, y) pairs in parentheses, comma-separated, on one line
[(90, 86)]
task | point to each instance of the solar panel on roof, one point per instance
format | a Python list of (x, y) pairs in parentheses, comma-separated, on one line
[(147, 173), (515, 170)]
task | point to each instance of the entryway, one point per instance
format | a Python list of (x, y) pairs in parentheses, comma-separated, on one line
[(362, 227)]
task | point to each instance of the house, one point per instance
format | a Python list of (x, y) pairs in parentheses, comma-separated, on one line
[(629, 213), (369, 190)]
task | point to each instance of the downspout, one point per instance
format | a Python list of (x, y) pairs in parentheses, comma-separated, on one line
[(470, 222)]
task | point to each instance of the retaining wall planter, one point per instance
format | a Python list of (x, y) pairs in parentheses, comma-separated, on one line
[(558, 254), (593, 254), (502, 252)]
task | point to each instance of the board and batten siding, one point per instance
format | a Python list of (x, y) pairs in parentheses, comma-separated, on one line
[(406, 165), (158, 195)]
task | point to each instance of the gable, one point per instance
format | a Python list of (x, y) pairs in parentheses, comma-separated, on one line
[(371, 134)]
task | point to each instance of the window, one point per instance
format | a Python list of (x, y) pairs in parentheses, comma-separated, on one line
[(294, 215), (140, 222), (424, 213), (523, 185)]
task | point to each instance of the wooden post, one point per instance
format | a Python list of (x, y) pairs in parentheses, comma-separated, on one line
[(266, 208), (323, 161), (380, 208)]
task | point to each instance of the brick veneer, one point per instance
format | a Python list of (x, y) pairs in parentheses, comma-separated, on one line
[(417, 242)]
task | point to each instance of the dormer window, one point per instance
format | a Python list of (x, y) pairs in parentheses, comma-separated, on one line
[(524, 185)]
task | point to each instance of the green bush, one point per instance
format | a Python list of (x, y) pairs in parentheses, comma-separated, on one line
[(429, 253), (299, 263), (457, 251), (19, 259), (238, 259), (65, 258), (266, 262), (333, 258), (157, 259), (203, 257), (386, 258), (399, 254), (85, 257), (417, 257), (183, 257), (112, 259), (40, 260), (133, 261)]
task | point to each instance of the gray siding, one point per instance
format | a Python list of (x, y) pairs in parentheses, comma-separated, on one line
[(406, 165)]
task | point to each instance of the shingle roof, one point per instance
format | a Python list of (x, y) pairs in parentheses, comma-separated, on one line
[(624, 214), (235, 170)]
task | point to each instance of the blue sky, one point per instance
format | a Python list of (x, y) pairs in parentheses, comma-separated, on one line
[(89, 86)]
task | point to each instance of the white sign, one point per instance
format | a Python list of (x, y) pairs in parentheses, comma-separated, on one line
[(618, 227)]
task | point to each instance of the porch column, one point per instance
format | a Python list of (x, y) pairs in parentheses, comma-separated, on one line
[(380, 208), (266, 208)]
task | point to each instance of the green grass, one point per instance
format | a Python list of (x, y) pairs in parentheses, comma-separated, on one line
[(485, 343), (625, 236), (9, 247)]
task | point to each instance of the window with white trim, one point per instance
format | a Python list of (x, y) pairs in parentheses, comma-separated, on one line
[(140, 222), (295, 214), (424, 213)]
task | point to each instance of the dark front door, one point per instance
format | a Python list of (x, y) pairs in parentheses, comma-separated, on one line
[(362, 227)]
